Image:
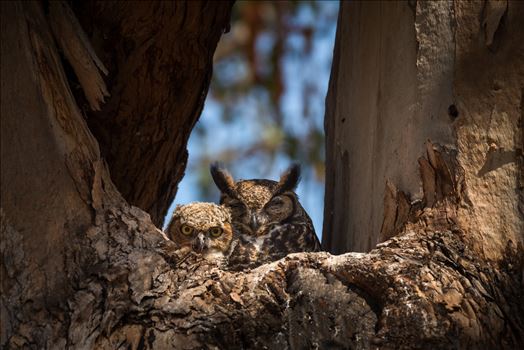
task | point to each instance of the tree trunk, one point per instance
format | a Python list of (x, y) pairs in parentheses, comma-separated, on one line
[(159, 55), (448, 72), (82, 268)]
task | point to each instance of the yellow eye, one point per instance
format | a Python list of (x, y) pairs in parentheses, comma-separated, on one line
[(215, 231), (186, 230)]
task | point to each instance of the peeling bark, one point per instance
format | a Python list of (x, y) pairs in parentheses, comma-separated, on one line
[(159, 55), (438, 78), (84, 269), (77, 49)]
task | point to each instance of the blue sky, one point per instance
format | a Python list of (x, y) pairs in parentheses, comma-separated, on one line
[(244, 129)]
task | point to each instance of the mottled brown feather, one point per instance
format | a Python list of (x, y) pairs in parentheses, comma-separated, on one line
[(269, 219)]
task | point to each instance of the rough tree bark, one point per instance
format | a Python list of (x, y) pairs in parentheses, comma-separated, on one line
[(406, 72), (159, 56), (82, 268)]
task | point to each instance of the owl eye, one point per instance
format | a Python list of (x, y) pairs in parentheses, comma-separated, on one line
[(215, 231), (236, 204), (186, 229), (276, 202)]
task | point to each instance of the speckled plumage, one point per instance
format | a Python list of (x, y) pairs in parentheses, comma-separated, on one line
[(202, 215), (231, 250), (268, 213), (200, 219)]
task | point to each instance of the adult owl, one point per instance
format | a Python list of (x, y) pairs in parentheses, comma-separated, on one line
[(268, 211), (205, 228)]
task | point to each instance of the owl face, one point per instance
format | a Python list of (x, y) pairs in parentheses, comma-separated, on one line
[(205, 227), (258, 204)]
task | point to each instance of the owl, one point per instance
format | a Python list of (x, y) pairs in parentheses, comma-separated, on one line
[(269, 212), (205, 228)]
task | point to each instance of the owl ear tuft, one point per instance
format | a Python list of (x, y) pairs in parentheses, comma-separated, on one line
[(289, 179), (223, 180)]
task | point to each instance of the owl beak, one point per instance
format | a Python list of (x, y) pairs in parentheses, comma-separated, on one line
[(199, 243), (257, 220), (253, 223)]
